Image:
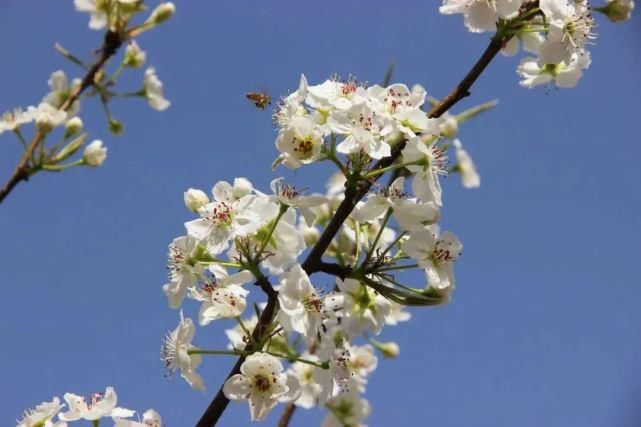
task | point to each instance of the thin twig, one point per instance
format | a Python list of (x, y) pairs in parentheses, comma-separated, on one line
[(110, 46)]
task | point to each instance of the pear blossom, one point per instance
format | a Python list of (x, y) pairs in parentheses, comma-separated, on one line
[(292, 105), (426, 184), (346, 409), (161, 13), (262, 382), (310, 389), (95, 154), (175, 353), (363, 360), (466, 167), (571, 29), (333, 94), (97, 406), (73, 126), (284, 246), (404, 106), (153, 90), (195, 199), (364, 309), (224, 219), (184, 270), (61, 90), (301, 307), (12, 120), (47, 116), (300, 142), (436, 255), (564, 74), (237, 336), (230, 193), (42, 415), (410, 214), (98, 10), (481, 15), (397, 314), (290, 196), (150, 418), (222, 297), (364, 130), (134, 56)]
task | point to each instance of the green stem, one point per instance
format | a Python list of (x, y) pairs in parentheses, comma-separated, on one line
[(283, 208), (394, 166), (389, 248), (372, 247), (21, 138), (60, 168), (322, 365), (221, 262), (396, 267)]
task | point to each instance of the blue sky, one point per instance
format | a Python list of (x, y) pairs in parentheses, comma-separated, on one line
[(544, 326)]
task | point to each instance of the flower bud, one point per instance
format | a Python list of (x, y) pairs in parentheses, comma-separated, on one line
[(449, 127), (134, 56), (389, 350), (69, 149), (195, 199), (162, 12), (618, 10), (73, 126), (95, 154), (115, 126)]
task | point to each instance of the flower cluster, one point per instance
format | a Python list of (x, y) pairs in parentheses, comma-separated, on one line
[(241, 235), (92, 408), (558, 32), (60, 108)]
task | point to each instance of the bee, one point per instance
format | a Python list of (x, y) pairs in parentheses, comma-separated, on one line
[(260, 99)]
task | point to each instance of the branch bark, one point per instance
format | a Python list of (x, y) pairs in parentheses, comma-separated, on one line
[(110, 46)]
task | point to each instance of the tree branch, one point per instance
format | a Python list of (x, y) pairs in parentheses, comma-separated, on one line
[(353, 193), (110, 46), (287, 415)]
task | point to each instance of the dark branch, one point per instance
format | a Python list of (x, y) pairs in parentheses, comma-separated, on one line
[(110, 46)]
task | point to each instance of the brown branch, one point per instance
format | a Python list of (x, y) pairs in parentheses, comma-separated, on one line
[(353, 193), (219, 403), (110, 46), (287, 415)]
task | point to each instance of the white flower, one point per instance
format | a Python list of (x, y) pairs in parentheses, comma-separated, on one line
[(301, 308), (346, 409), (300, 142), (175, 353), (47, 116), (284, 246), (150, 418), (226, 218), (364, 309), (261, 381), (237, 336), (60, 92), (11, 120), (397, 314), (195, 199), (134, 56), (531, 43), (465, 166), (162, 12), (363, 360), (228, 193), (98, 10), (73, 126), (97, 406), (95, 154), (426, 184), (153, 89), (184, 270), (41, 415), (410, 214), (571, 28), (223, 297), (309, 388), (289, 195), (436, 255), (404, 106), (564, 75), (364, 130), (333, 94), (292, 105), (481, 15)]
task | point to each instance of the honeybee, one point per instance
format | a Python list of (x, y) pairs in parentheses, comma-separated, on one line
[(260, 99)]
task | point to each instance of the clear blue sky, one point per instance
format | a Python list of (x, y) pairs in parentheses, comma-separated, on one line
[(545, 326)]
